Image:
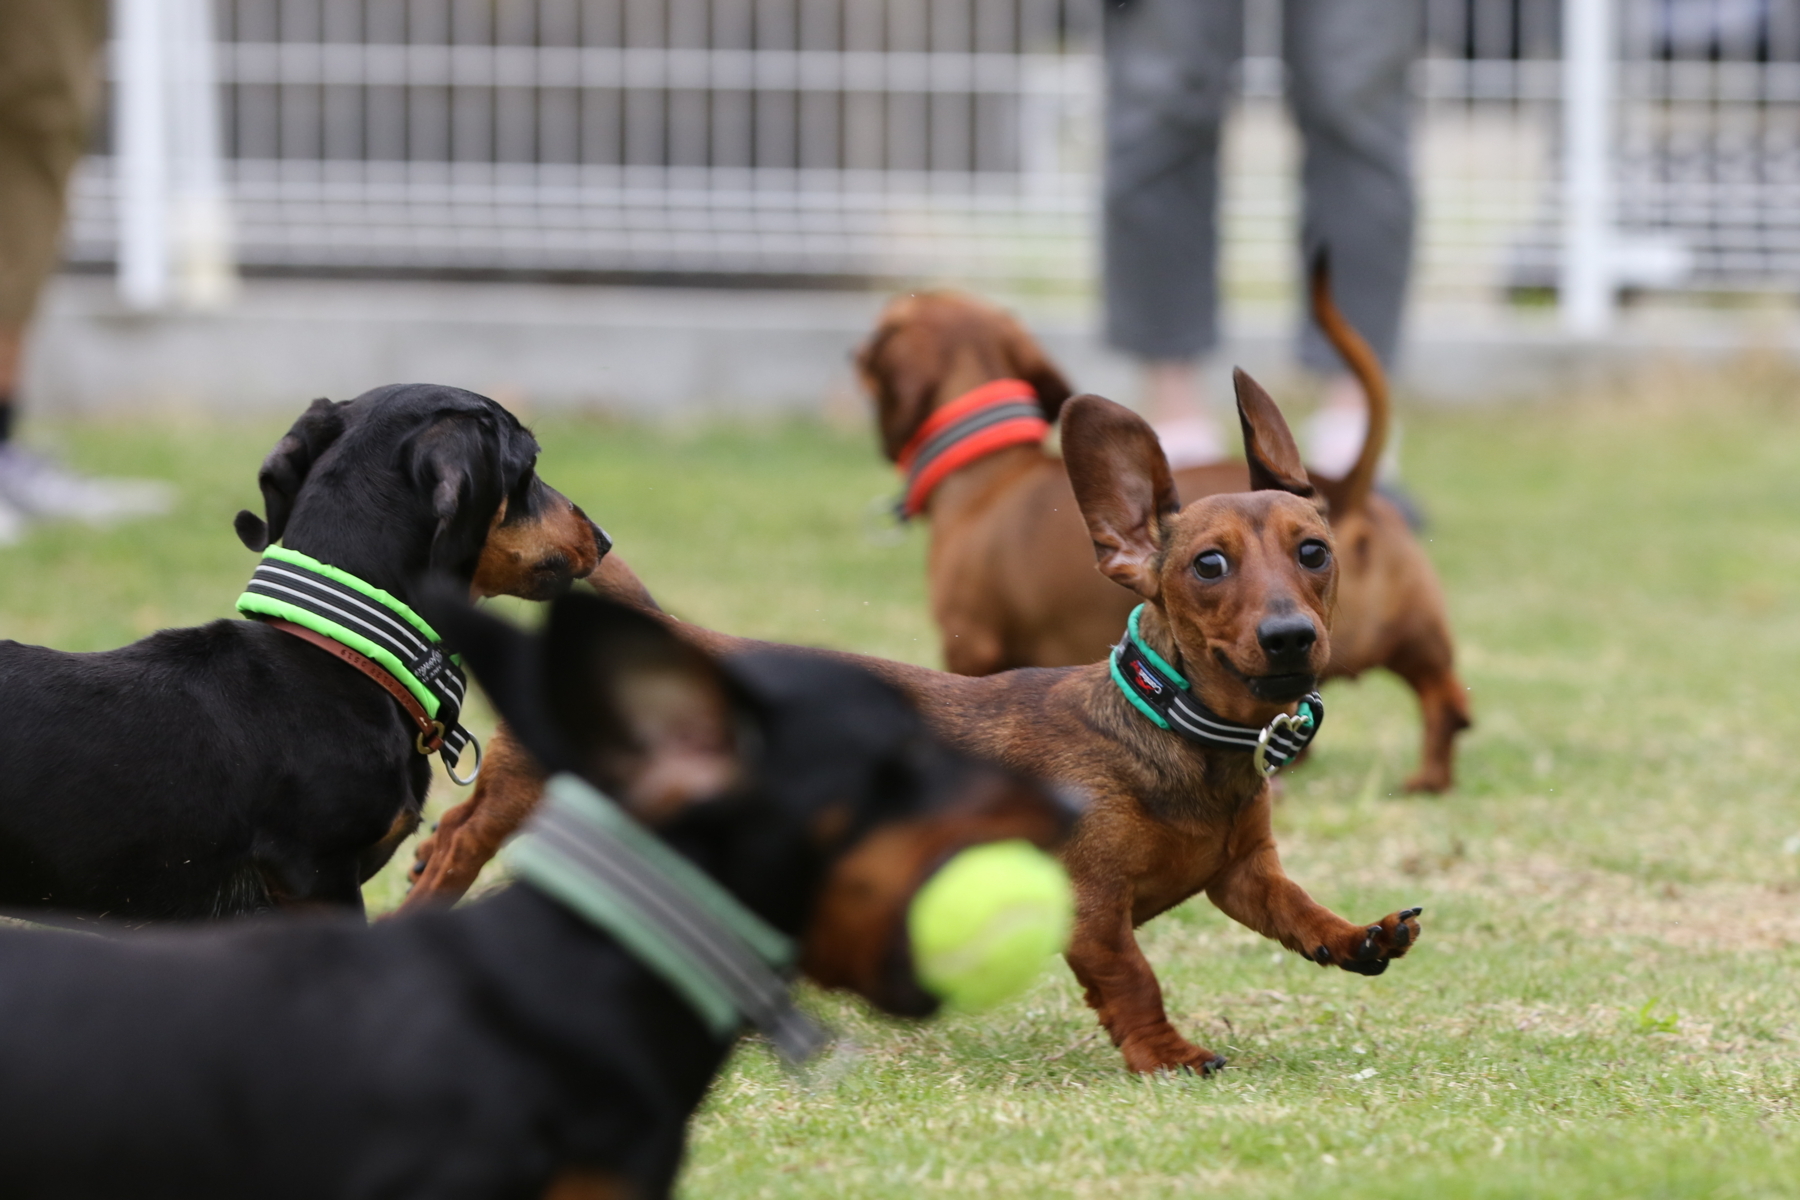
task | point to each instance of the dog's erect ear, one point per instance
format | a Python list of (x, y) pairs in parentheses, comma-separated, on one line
[(1030, 364), (652, 719), (900, 366), (285, 470), (1124, 487), (458, 462), (606, 692), (1275, 464)]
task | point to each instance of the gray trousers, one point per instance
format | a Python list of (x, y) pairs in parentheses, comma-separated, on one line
[(1169, 83)]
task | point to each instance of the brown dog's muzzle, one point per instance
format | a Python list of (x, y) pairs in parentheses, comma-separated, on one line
[(857, 939), (540, 556)]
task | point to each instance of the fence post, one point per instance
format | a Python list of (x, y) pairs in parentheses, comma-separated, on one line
[(200, 216), (1586, 293), (142, 157), (174, 222)]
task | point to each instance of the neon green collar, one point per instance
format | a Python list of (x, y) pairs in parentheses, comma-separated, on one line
[(290, 586)]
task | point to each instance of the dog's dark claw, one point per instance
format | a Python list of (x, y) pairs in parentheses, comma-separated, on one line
[(1321, 956), (1213, 1065), (1373, 966), (1410, 913)]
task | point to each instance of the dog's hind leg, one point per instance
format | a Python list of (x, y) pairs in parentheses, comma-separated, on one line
[(1443, 709)]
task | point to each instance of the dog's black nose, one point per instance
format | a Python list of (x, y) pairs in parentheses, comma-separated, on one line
[(1288, 641)]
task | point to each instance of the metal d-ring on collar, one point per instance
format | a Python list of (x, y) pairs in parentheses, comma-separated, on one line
[(1161, 693), (1301, 723), (474, 772)]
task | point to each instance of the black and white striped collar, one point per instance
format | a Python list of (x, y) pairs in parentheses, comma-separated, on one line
[(1160, 692), (290, 586)]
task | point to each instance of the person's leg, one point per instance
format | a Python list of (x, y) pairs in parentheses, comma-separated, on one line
[(49, 88), (1349, 63), (49, 81), (1168, 86)]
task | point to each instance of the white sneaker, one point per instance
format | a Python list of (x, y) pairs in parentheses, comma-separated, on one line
[(1190, 442), (12, 524), (38, 487), (1334, 440)]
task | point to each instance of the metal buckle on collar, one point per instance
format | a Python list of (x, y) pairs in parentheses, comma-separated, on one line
[(435, 742), (1296, 723)]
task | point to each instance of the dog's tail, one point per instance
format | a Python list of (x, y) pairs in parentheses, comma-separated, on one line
[(1349, 492)]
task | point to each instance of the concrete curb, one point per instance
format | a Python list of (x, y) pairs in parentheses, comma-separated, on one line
[(678, 352)]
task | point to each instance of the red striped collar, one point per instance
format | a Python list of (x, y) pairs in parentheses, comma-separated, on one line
[(976, 424)]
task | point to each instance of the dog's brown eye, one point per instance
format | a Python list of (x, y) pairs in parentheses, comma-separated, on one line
[(1211, 564), (1314, 555)]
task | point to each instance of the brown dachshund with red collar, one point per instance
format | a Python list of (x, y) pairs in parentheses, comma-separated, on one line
[(1168, 741), (964, 396)]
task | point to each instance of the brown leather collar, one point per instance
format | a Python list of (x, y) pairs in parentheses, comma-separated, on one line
[(431, 733)]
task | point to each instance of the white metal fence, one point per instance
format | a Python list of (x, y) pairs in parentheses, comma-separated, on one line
[(938, 139)]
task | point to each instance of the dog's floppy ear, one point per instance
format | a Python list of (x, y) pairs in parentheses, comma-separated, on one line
[(900, 366), (1123, 485), (459, 463), (285, 470), (1275, 464), (1030, 364)]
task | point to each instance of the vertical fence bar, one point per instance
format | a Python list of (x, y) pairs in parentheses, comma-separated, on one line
[(1586, 293), (200, 214), (143, 153)]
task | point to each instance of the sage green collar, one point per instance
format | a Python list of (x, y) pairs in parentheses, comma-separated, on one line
[(585, 852)]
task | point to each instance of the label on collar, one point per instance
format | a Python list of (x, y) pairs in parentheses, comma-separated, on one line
[(429, 666)]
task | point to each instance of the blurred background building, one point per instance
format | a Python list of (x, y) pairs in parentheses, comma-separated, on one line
[(792, 151)]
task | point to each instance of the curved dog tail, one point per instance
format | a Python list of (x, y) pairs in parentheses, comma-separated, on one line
[(1349, 492)]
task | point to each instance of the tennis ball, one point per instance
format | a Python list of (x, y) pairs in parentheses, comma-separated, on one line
[(986, 921)]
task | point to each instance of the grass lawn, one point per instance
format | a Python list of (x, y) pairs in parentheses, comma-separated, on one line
[(1607, 998)]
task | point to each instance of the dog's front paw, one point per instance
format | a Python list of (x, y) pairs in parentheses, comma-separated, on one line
[(1368, 951), (1165, 1050), (421, 857)]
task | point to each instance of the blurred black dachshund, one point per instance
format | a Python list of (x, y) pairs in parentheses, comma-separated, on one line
[(507, 1048), (216, 770)]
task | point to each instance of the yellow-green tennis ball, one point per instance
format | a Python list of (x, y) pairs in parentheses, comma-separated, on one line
[(984, 925)]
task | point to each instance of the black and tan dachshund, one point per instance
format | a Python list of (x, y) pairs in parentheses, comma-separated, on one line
[(216, 770), (505, 1048)]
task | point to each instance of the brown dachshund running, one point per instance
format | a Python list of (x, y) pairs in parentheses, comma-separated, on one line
[(1237, 591), (956, 382)]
